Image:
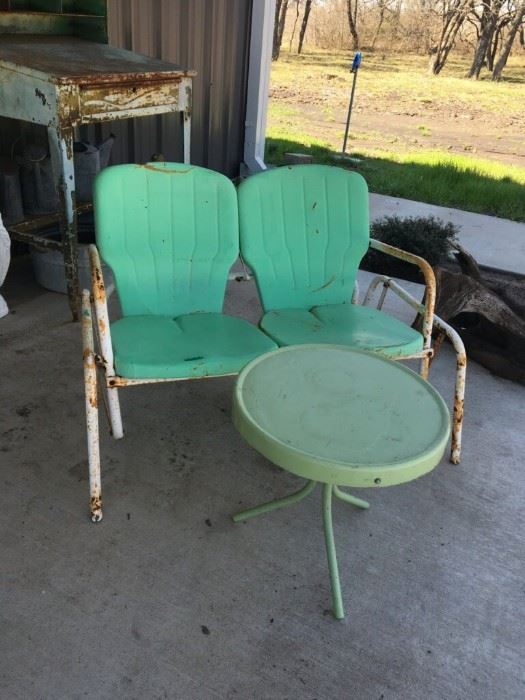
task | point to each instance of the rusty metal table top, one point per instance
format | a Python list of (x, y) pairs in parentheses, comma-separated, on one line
[(67, 60), (62, 82)]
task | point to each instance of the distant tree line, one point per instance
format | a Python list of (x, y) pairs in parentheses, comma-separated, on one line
[(487, 29)]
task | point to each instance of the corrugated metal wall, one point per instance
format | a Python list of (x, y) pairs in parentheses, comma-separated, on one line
[(209, 36)]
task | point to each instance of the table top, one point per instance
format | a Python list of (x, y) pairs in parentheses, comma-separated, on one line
[(67, 59), (339, 415)]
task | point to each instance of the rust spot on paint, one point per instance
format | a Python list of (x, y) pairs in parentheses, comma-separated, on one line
[(165, 171)]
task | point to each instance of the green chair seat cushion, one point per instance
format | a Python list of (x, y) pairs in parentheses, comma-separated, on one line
[(339, 415), (193, 345), (343, 324)]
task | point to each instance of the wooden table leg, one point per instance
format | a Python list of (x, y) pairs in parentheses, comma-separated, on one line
[(61, 149)]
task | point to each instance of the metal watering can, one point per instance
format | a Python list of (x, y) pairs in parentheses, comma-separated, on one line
[(36, 174)]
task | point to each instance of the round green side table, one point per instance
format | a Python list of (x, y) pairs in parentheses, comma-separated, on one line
[(339, 417)]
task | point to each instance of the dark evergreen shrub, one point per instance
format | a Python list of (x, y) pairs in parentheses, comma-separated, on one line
[(426, 236)]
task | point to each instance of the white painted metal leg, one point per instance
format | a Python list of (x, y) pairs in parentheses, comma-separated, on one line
[(90, 386), (115, 417), (459, 388), (104, 336), (461, 359)]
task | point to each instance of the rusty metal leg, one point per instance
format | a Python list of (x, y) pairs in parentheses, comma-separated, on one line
[(104, 336), (61, 149), (436, 345), (424, 366), (459, 407), (187, 124), (90, 386), (459, 387)]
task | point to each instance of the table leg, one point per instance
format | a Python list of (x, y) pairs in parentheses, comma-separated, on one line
[(61, 149), (348, 498), (331, 554), (277, 503)]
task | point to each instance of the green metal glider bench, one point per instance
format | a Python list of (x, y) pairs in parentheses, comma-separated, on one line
[(170, 234), (304, 230)]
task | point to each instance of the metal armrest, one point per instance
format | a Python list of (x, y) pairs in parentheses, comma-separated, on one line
[(430, 282)]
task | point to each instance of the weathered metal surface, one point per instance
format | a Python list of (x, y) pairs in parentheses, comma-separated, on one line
[(87, 26), (68, 59), (459, 388), (91, 394), (430, 293), (23, 229), (62, 82), (81, 18), (119, 382), (26, 97), (103, 334), (457, 343), (98, 100), (211, 36)]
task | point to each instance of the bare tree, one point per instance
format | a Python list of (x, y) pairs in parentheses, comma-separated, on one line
[(297, 3), (383, 6), (281, 7), (488, 23), (507, 46), (304, 24), (453, 14), (351, 10)]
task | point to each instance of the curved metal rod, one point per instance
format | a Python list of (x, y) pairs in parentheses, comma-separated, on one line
[(430, 298), (277, 503), (461, 358), (459, 387), (348, 498)]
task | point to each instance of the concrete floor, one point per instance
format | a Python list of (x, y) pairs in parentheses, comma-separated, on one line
[(166, 598)]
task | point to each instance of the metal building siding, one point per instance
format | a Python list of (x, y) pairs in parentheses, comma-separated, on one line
[(210, 36)]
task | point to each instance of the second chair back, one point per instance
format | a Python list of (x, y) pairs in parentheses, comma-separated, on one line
[(304, 230)]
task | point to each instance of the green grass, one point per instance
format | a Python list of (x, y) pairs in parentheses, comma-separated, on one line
[(443, 140), (436, 177)]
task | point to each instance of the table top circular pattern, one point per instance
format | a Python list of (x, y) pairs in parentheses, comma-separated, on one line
[(339, 415)]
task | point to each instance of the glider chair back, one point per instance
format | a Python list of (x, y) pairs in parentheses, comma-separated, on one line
[(170, 234), (304, 230)]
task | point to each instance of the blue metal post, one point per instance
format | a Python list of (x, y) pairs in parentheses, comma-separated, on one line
[(355, 67)]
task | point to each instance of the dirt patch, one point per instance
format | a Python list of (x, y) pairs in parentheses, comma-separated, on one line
[(393, 127)]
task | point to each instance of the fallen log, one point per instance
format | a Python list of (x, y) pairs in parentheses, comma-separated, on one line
[(487, 311)]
